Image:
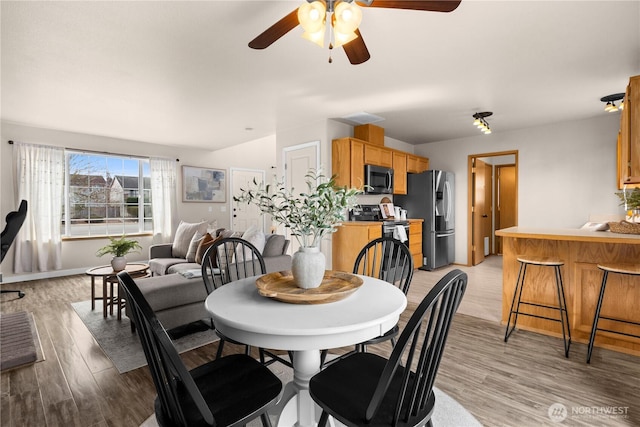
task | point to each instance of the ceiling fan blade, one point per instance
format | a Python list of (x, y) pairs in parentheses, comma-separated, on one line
[(275, 31), (427, 5), (356, 50)]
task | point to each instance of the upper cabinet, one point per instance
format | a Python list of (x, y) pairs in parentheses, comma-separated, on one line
[(349, 155), (629, 137), (417, 164)]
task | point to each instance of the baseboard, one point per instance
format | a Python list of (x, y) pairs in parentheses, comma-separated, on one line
[(43, 275)]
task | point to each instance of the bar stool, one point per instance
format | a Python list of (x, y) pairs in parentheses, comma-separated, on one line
[(629, 269), (562, 302)]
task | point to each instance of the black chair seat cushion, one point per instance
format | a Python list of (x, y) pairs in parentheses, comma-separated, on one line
[(235, 386), (344, 389)]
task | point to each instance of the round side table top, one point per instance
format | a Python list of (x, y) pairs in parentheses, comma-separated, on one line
[(107, 270)]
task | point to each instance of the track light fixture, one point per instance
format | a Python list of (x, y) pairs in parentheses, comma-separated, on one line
[(480, 120), (610, 107)]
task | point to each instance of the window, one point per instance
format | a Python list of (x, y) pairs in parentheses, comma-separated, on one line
[(106, 195)]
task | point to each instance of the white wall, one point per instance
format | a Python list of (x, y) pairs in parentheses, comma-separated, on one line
[(567, 172), (78, 255)]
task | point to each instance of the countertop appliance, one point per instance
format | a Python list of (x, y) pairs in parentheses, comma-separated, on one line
[(378, 180), (430, 196)]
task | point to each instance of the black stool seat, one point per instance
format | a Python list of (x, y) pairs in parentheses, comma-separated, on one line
[(618, 268), (562, 302)]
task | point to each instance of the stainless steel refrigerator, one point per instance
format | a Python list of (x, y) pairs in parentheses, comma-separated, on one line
[(430, 196)]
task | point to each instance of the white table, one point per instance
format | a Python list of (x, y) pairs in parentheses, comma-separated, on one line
[(242, 314)]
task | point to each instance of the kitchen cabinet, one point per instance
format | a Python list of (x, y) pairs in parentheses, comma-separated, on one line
[(629, 137), (379, 156), (347, 162), (417, 164), (399, 172), (415, 241), (349, 155), (350, 238)]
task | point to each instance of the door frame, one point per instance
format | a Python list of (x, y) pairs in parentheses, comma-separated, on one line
[(470, 194)]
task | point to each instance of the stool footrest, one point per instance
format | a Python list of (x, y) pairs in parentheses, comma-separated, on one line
[(617, 332), (535, 315), (620, 320)]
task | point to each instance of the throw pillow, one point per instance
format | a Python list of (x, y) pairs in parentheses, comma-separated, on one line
[(230, 249), (274, 245), (183, 237), (205, 244), (256, 237), (193, 246)]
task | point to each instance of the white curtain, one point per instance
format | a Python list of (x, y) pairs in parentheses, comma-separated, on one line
[(40, 181), (164, 204)]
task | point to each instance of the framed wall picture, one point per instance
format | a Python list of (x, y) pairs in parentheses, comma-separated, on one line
[(204, 185)]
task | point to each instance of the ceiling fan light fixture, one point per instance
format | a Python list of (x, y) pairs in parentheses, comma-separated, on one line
[(312, 16), (340, 39), (348, 17), (316, 37)]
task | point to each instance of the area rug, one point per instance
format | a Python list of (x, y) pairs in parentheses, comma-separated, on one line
[(123, 347), (448, 412), (19, 340)]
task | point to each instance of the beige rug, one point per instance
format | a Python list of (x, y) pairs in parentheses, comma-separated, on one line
[(123, 347)]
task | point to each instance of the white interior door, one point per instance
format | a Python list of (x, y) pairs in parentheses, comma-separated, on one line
[(243, 215), (298, 159)]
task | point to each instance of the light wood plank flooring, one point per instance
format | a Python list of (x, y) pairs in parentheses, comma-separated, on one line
[(502, 384)]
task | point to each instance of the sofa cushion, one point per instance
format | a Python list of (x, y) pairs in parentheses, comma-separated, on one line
[(274, 245), (159, 266), (177, 268), (183, 237), (172, 290)]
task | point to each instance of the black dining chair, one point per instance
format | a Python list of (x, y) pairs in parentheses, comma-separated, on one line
[(365, 389), (14, 221), (228, 391), (387, 259), (227, 260)]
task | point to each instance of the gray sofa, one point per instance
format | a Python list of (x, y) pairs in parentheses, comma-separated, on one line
[(178, 300), (275, 256)]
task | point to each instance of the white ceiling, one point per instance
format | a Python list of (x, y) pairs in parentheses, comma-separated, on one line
[(180, 72)]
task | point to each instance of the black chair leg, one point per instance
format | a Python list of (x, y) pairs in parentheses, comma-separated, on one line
[(564, 316), (266, 421), (220, 346), (323, 419), (517, 291)]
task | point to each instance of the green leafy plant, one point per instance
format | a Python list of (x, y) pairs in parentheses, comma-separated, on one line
[(308, 215), (119, 247), (630, 199)]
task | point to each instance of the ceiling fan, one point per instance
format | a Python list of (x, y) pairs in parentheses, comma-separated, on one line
[(344, 17)]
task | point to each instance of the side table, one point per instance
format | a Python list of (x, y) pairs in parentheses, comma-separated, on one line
[(109, 277)]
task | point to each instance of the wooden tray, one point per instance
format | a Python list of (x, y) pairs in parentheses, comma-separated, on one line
[(335, 286)]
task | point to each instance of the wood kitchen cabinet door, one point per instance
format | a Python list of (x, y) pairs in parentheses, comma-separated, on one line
[(415, 242), (379, 156), (399, 172), (349, 240), (629, 137), (417, 164)]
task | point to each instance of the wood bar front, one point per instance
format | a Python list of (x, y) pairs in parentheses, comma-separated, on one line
[(581, 251)]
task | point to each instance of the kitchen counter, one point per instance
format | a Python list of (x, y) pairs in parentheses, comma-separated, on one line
[(581, 251)]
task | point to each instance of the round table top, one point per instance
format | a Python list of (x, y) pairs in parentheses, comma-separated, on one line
[(107, 270), (241, 313)]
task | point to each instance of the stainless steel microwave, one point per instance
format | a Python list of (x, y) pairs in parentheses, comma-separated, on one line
[(378, 180)]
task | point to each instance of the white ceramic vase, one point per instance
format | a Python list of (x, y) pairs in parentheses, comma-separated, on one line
[(308, 267), (118, 263)]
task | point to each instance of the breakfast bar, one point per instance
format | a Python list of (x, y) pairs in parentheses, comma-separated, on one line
[(581, 251)]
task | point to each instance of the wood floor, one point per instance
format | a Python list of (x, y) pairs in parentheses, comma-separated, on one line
[(501, 384)]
